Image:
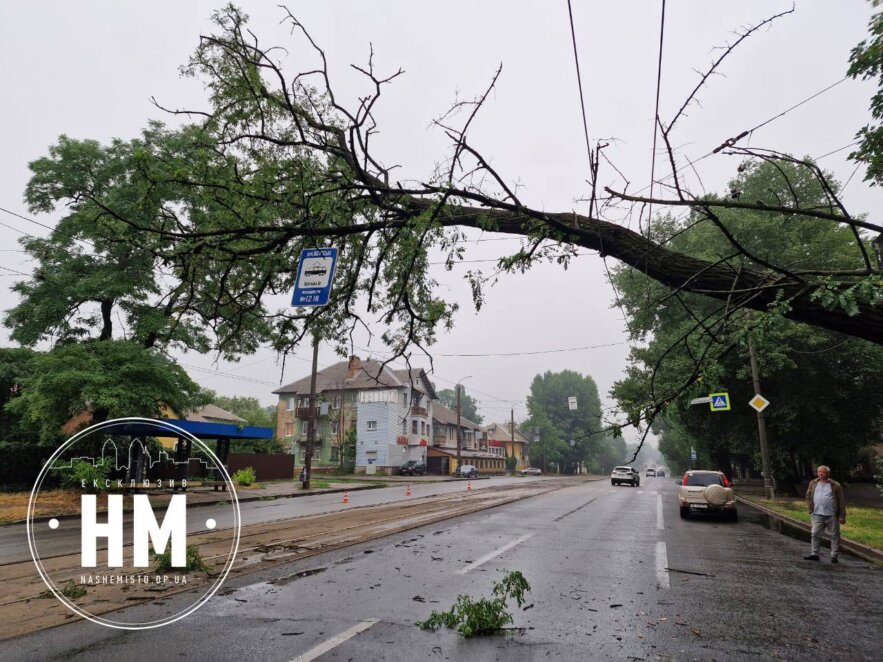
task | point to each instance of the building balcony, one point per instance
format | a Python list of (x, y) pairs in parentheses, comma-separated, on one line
[(440, 440), (304, 412), (419, 411)]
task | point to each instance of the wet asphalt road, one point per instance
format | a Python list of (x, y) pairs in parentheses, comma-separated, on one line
[(615, 574), (66, 538)]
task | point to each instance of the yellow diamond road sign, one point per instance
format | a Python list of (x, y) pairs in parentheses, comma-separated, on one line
[(759, 403)]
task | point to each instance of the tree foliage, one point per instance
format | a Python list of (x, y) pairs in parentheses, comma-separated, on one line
[(557, 425), (204, 222), (825, 387), (468, 404), (866, 62), (109, 378)]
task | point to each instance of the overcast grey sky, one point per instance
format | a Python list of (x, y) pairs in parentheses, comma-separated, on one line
[(88, 69)]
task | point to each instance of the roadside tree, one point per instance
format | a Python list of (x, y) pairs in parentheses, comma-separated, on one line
[(826, 387)]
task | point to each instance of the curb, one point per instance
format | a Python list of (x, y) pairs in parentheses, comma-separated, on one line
[(861, 550), (266, 497)]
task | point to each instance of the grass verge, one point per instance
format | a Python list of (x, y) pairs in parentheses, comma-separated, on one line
[(863, 525)]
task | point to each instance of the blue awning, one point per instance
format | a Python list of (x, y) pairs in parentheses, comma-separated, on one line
[(200, 429)]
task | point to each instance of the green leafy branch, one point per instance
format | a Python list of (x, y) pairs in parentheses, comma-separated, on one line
[(484, 616)]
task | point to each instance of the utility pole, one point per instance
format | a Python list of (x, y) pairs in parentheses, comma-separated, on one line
[(459, 441), (311, 416), (761, 427)]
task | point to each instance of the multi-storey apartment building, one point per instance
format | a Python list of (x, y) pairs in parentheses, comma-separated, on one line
[(389, 412)]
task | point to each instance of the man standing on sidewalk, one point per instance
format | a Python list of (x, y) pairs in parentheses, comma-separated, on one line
[(824, 498)]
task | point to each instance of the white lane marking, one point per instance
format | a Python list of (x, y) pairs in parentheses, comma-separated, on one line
[(335, 641), (661, 566), (496, 552), (660, 523), (640, 491)]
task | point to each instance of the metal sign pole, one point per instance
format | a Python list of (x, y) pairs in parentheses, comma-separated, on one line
[(761, 427), (311, 416)]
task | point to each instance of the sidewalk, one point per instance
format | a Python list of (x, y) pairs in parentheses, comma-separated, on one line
[(206, 496), (859, 549)]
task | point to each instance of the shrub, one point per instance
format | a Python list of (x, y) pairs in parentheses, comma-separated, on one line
[(81, 471), (483, 616), (194, 561), (244, 477), (71, 590)]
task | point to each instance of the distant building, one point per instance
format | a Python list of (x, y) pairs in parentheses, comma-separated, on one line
[(499, 437), (206, 414), (442, 456), (389, 411)]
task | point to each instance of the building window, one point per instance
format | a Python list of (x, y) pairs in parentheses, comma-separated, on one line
[(290, 403), (372, 425), (317, 451), (335, 454), (335, 427), (336, 401), (289, 430), (413, 427), (422, 427)]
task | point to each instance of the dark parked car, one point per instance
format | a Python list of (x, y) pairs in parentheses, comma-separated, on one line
[(412, 468), (467, 471)]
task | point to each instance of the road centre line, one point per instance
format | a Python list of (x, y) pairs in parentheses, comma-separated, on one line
[(335, 641), (487, 557), (660, 523), (661, 566)]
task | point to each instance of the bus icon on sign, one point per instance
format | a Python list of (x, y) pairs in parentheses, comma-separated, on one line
[(315, 273)]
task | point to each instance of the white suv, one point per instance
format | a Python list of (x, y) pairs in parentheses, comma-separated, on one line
[(706, 491), (625, 474)]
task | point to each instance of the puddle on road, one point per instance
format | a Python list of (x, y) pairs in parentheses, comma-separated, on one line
[(281, 581)]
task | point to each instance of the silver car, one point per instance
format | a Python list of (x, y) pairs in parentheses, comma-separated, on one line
[(706, 492)]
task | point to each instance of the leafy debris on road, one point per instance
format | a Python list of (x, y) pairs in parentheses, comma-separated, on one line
[(483, 616)]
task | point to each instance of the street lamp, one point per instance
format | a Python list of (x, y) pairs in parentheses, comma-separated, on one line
[(459, 433)]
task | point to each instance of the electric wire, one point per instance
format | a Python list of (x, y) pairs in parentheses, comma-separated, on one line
[(656, 118)]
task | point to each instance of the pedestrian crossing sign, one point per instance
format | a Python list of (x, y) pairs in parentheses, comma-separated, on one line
[(719, 401)]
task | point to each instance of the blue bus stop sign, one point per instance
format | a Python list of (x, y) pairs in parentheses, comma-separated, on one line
[(315, 274)]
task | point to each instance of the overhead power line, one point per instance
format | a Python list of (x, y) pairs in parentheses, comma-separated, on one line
[(732, 141), (535, 353), (25, 218), (20, 273), (656, 117)]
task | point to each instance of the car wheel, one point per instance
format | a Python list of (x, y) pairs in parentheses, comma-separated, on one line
[(685, 512), (733, 516), (613, 482)]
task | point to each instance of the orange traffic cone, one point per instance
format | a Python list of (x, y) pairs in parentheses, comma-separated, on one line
[(408, 491), (346, 496), (469, 486)]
